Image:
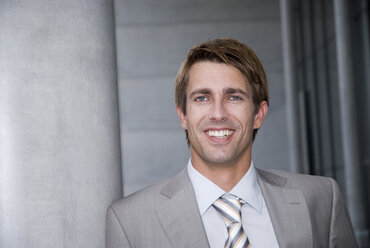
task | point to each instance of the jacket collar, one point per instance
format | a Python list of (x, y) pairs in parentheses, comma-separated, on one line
[(179, 214)]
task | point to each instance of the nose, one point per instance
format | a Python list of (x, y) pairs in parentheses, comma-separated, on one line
[(218, 111)]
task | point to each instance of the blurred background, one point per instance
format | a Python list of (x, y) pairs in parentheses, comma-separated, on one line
[(87, 111)]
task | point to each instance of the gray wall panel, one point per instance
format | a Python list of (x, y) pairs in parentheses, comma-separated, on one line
[(149, 12), (151, 156), (277, 91), (159, 51), (148, 103), (271, 144)]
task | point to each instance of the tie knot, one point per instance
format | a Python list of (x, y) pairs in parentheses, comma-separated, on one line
[(229, 206)]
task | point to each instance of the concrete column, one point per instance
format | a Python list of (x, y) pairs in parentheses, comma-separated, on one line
[(352, 164), (366, 40), (290, 77), (59, 129)]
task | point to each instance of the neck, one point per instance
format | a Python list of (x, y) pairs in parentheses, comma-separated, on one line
[(226, 176)]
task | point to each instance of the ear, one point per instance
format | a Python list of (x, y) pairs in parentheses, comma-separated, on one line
[(260, 116), (182, 117)]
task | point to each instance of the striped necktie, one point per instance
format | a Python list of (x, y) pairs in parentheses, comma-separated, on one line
[(229, 206)]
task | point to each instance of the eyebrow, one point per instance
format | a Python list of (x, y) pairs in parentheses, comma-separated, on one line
[(204, 91), (227, 91)]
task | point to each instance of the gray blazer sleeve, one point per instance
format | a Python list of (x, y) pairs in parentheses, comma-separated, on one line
[(341, 232), (115, 234)]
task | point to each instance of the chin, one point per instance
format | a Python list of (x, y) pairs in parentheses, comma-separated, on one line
[(219, 159)]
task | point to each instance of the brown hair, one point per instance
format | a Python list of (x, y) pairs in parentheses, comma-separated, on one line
[(231, 52)]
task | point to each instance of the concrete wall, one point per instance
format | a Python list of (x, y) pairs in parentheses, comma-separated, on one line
[(152, 40), (59, 126)]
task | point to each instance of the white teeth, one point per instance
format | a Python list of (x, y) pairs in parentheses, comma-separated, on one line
[(220, 133)]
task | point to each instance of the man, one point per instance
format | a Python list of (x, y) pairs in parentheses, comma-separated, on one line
[(220, 199)]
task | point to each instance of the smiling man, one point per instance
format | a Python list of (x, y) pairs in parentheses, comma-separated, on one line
[(220, 199), (219, 116)]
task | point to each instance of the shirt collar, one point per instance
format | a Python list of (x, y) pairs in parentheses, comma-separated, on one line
[(206, 192)]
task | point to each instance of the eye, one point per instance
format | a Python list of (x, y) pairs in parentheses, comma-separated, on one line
[(235, 98), (201, 99)]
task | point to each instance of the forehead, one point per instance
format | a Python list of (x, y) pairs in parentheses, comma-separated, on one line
[(214, 76)]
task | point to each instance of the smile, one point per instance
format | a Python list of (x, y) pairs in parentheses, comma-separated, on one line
[(220, 133)]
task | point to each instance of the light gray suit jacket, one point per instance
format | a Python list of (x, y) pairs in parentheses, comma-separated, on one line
[(306, 211)]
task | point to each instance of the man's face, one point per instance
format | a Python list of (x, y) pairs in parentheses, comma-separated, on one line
[(220, 116)]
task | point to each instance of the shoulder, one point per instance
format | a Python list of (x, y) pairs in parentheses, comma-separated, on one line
[(311, 186), (292, 179), (328, 213), (150, 197)]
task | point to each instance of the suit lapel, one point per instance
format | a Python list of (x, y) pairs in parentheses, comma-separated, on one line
[(288, 211), (179, 214)]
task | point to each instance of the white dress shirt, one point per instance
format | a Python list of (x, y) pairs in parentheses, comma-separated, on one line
[(255, 217)]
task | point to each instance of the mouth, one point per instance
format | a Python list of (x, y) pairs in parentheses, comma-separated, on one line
[(220, 134)]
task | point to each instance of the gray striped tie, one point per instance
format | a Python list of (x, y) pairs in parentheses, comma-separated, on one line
[(229, 206)]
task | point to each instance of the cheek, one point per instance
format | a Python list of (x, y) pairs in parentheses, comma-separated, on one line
[(196, 115), (242, 115)]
